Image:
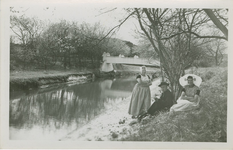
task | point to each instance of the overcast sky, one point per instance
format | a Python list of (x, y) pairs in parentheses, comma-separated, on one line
[(92, 13), (85, 14)]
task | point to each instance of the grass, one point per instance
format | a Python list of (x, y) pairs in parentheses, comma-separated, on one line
[(206, 124)]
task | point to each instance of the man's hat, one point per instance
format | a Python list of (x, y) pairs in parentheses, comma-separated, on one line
[(163, 83)]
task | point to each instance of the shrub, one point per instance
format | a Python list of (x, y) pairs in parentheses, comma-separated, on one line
[(207, 75), (205, 62)]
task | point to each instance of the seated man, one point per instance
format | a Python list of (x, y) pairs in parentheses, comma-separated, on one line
[(189, 98), (163, 103)]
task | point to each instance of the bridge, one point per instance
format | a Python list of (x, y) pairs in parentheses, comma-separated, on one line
[(109, 60)]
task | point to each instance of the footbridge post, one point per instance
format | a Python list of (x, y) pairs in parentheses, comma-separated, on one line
[(106, 67)]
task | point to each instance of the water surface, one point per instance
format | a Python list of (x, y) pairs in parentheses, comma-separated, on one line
[(53, 113)]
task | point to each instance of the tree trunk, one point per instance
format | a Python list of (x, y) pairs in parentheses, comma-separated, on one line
[(65, 60), (45, 66), (69, 64), (216, 58), (216, 21)]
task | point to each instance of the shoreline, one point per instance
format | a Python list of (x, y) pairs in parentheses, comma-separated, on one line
[(31, 80), (107, 126), (26, 84)]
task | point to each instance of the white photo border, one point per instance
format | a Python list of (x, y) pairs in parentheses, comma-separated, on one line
[(6, 143)]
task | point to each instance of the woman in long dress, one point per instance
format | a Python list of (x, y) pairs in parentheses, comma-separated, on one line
[(190, 96), (141, 95)]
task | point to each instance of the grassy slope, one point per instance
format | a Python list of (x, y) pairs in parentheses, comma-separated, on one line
[(207, 124)]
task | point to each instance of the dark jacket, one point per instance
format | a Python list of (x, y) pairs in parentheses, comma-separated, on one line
[(164, 103), (166, 99)]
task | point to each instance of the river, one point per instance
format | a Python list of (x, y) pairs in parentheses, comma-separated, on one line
[(49, 114)]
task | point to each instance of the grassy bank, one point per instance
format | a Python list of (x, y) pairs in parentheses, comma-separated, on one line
[(206, 124), (25, 80), (14, 75)]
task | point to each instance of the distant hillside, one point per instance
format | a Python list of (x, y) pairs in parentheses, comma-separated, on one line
[(128, 49), (117, 46)]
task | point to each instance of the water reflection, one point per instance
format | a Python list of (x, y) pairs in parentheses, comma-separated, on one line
[(52, 114)]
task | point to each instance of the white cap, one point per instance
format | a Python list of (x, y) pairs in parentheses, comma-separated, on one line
[(196, 80)]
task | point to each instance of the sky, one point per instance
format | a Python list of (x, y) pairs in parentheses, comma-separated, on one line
[(108, 19), (84, 13)]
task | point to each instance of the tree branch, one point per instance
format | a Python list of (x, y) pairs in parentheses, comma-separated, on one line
[(216, 21), (117, 26), (197, 35), (106, 11), (140, 23)]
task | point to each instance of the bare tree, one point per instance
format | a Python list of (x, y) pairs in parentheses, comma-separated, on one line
[(216, 49), (27, 31), (175, 36), (217, 22)]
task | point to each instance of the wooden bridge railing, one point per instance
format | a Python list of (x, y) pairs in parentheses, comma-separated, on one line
[(133, 61)]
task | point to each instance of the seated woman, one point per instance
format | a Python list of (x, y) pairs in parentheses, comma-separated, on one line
[(190, 96)]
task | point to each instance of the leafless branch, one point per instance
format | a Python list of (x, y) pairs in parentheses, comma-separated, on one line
[(197, 35), (106, 11), (117, 26)]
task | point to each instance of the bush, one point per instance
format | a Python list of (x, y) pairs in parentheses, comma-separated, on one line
[(205, 62), (207, 75)]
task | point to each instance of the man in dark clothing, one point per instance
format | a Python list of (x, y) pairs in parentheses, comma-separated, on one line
[(163, 103)]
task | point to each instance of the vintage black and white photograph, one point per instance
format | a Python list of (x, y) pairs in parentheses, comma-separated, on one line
[(109, 73)]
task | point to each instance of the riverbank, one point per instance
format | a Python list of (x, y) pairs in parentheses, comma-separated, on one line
[(110, 124), (28, 80), (206, 124)]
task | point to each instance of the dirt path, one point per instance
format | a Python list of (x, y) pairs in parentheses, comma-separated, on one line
[(106, 127)]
